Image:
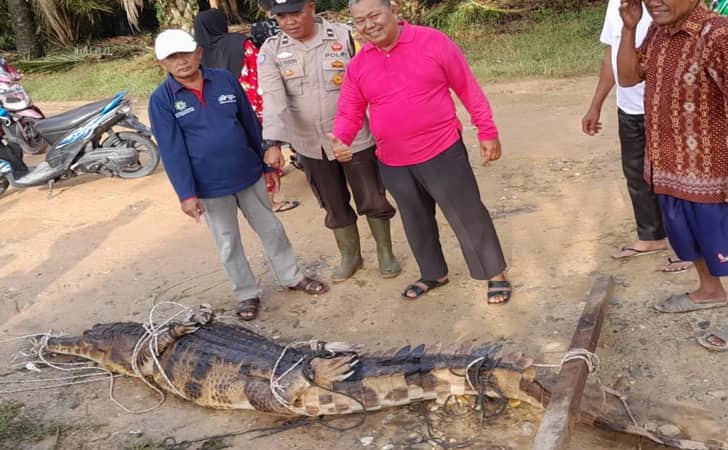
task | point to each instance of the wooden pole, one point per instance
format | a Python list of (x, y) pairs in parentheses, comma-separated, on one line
[(563, 409)]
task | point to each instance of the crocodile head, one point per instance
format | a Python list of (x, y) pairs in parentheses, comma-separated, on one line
[(110, 345)]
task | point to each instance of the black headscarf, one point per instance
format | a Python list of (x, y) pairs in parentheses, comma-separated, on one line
[(220, 49)]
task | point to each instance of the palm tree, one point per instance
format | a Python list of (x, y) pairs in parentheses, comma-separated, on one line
[(26, 41), (176, 13)]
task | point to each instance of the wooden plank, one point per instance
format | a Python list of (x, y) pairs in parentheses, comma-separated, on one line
[(562, 412)]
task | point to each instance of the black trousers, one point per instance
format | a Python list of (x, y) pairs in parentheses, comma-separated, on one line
[(644, 202), (448, 181), (328, 180)]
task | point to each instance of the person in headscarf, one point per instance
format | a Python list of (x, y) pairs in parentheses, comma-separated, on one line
[(268, 27), (238, 54)]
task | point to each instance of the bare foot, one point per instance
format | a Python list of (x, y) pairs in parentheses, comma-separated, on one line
[(703, 296), (676, 265), (640, 247)]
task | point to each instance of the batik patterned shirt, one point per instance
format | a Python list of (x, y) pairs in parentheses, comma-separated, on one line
[(686, 99)]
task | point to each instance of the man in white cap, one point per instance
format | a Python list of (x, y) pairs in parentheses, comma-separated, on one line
[(210, 142)]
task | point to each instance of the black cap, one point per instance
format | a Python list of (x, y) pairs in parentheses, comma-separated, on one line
[(287, 6)]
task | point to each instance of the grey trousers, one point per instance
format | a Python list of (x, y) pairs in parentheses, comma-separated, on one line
[(448, 181), (221, 215)]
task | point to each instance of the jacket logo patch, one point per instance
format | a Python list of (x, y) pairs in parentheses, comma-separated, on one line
[(337, 64), (338, 79), (288, 73), (336, 46), (261, 58), (180, 105), (226, 98), (184, 112), (284, 55)]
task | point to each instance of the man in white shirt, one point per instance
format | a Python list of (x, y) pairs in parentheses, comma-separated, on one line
[(630, 111)]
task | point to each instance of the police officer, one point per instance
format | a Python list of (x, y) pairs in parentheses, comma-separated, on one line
[(300, 72)]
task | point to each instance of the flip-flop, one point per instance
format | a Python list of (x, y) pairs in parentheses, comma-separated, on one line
[(634, 251), (286, 206), (720, 333), (681, 303), (678, 264)]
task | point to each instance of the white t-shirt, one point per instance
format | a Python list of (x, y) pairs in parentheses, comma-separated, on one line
[(630, 99)]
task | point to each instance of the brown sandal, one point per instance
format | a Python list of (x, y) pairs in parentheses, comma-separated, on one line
[(247, 309), (310, 286)]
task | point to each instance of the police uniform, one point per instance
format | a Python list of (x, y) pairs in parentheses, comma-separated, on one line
[(301, 82)]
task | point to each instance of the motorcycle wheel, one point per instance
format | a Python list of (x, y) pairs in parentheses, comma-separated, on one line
[(4, 183), (148, 159), (31, 143)]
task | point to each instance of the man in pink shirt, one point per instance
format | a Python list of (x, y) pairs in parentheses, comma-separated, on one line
[(403, 76)]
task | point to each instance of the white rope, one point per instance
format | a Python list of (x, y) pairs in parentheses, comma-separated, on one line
[(467, 371), (51, 386), (150, 339), (276, 387), (592, 362)]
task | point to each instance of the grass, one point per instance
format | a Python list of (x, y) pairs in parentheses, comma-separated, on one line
[(552, 47), (546, 45), (138, 75), (15, 427)]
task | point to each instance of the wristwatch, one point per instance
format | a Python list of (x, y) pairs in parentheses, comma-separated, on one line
[(268, 143)]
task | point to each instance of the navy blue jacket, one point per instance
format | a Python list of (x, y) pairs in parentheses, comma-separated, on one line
[(209, 150)]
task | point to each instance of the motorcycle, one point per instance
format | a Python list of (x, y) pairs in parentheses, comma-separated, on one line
[(85, 140), (14, 98)]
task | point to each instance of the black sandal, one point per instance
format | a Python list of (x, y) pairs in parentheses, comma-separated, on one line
[(418, 291), (499, 289), (247, 309), (310, 286)]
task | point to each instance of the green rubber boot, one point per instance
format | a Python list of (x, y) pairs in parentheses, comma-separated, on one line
[(388, 265), (347, 239)]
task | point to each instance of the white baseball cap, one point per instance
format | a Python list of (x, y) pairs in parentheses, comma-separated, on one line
[(173, 41)]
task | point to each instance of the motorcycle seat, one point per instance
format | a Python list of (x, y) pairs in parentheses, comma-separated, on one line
[(69, 119)]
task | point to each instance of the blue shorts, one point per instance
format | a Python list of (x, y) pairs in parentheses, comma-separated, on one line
[(697, 230)]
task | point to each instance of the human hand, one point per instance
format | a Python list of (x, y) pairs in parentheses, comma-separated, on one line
[(490, 150), (193, 207), (631, 13), (590, 123), (273, 157), (274, 180), (341, 151)]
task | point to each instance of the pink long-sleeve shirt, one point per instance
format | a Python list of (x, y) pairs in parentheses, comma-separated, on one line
[(407, 91)]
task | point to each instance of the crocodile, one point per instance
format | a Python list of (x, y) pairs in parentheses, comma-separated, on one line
[(217, 365)]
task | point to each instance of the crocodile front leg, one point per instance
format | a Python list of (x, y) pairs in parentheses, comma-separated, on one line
[(257, 391)]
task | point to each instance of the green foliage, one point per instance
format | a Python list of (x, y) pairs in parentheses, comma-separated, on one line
[(61, 61), (7, 38), (148, 445), (556, 45), (453, 17), (139, 75), (16, 428)]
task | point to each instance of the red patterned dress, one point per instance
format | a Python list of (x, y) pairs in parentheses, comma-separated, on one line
[(249, 78)]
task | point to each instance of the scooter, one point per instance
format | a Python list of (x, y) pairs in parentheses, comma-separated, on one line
[(86, 140), (14, 98)]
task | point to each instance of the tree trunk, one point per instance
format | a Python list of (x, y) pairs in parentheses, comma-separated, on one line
[(27, 41), (176, 13)]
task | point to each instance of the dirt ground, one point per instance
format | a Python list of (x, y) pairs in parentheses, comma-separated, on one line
[(104, 250)]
